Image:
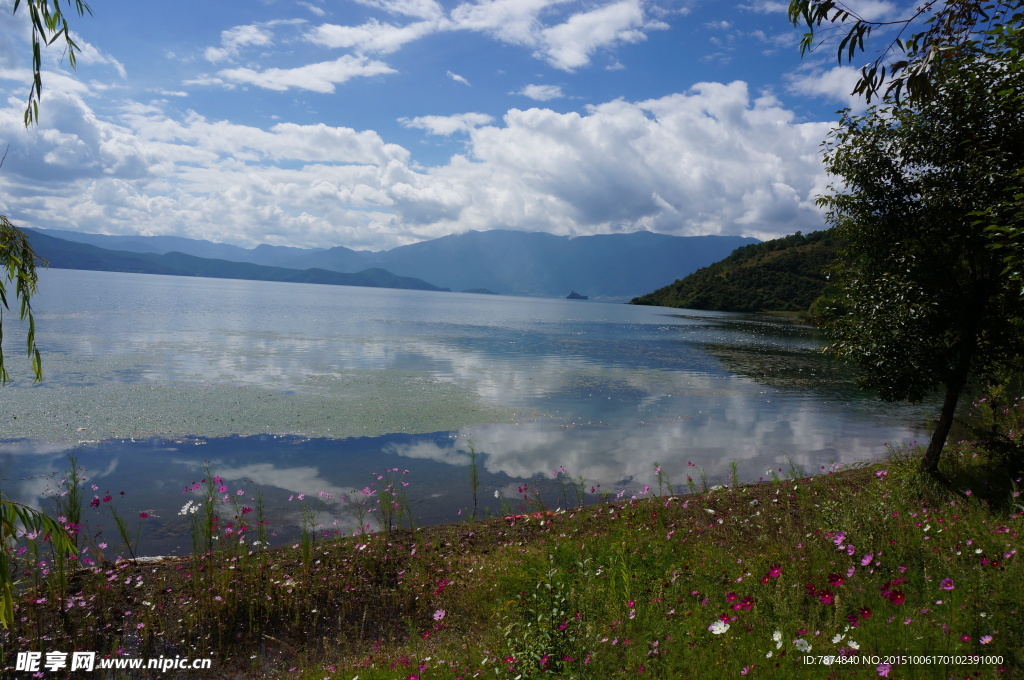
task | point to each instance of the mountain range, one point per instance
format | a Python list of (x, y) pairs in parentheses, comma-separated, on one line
[(613, 266)]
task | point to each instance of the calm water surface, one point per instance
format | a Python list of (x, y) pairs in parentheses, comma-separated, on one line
[(305, 388)]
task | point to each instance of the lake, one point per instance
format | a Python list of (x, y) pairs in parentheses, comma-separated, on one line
[(296, 388)]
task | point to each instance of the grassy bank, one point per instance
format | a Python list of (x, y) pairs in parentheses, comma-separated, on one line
[(749, 580)]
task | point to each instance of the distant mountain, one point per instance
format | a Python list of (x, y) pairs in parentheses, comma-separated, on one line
[(614, 266), (62, 254), (784, 275), (276, 256)]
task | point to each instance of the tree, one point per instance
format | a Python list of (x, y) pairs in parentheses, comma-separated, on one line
[(945, 30), (18, 262), (924, 301)]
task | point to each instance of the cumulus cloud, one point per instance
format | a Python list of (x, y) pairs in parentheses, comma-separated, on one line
[(711, 160)]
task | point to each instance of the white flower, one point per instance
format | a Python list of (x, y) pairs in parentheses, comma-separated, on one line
[(837, 639), (768, 655), (802, 645), (777, 636), (718, 627), (852, 645)]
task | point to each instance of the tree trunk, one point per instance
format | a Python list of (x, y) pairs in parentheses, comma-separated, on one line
[(930, 463)]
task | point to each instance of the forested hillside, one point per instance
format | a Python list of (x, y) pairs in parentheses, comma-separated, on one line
[(782, 275)]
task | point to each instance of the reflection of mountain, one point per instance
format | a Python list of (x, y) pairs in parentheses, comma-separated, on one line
[(508, 262)]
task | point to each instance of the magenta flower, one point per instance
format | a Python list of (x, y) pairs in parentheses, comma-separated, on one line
[(775, 571), (947, 584), (826, 596), (835, 580)]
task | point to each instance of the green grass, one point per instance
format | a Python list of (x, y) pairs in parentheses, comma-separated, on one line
[(871, 561)]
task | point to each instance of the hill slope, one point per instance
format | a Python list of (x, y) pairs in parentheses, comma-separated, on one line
[(782, 275)]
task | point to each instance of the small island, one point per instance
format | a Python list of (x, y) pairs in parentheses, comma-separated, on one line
[(576, 296)]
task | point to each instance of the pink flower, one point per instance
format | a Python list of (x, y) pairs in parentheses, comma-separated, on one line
[(439, 614), (866, 560), (947, 584), (883, 669), (985, 639)]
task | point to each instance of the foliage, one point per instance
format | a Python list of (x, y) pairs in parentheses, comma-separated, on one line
[(19, 267), (875, 560), (17, 520), (49, 25), (784, 274), (924, 300), (945, 31)]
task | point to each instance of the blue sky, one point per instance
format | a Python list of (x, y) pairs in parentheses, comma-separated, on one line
[(375, 123)]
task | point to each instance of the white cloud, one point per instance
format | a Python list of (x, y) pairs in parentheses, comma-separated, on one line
[(515, 22), (321, 77), (569, 45), (420, 9), (710, 160), (313, 9), (233, 40), (767, 7), (707, 161), (541, 93), (836, 84), (373, 36), (457, 78), (448, 125), (90, 54)]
